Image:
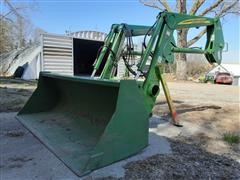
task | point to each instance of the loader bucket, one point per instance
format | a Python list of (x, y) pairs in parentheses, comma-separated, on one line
[(87, 123)]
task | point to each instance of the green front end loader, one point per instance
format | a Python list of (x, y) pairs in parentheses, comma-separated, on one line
[(92, 122)]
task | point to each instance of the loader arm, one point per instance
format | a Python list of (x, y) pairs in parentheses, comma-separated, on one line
[(160, 48)]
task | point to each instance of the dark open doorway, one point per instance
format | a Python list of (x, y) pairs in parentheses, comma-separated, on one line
[(85, 53)]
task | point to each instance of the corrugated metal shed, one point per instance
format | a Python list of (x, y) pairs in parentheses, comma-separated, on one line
[(57, 54), (91, 35), (58, 51), (121, 69)]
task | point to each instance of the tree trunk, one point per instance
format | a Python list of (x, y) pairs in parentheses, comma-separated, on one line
[(181, 70), (20, 32)]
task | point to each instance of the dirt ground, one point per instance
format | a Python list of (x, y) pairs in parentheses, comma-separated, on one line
[(206, 112), (14, 93)]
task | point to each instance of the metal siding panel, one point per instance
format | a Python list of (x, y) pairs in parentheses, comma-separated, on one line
[(89, 35), (57, 49), (63, 40), (57, 43), (57, 62), (57, 54), (54, 53), (58, 58), (121, 69)]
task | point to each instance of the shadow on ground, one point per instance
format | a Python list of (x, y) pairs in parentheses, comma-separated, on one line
[(182, 107), (199, 108)]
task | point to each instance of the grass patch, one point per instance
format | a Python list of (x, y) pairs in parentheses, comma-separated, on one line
[(231, 138)]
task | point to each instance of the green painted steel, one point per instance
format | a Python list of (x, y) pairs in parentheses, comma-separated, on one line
[(114, 54), (161, 46), (188, 50), (87, 123)]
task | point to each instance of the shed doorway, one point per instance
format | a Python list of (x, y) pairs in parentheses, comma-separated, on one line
[(84, 54)]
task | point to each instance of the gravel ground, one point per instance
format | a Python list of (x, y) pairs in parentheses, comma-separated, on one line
[(188, 161)]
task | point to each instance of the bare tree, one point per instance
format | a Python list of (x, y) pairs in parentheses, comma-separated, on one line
[(37, 34), (15, 24), (216, 8), (6, 40)]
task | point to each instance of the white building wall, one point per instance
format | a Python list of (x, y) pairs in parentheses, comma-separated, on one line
[(236, 81), (57, 54), (121, 69), (33, 69)]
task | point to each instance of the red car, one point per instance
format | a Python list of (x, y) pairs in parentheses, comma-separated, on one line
[(223, 78)]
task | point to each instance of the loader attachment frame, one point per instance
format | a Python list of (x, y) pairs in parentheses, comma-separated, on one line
[(91, 122), (160, 48)]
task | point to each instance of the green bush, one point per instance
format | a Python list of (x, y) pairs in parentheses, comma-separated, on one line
[(209, 79), (201, 79)]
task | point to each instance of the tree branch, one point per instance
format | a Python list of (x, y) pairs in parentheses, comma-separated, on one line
[(234, 12), (213, 6), (222, 13), (151, 4), (156, 4), (196, 38), (165, 5), (227, 9), (13, 9), (197, 4)]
